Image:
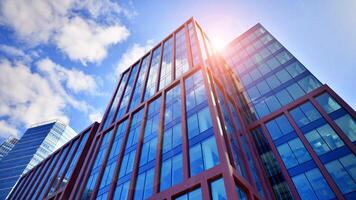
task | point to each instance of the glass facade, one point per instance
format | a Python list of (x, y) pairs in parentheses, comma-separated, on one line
[(189, 122)]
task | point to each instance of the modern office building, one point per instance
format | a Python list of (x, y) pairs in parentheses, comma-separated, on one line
[(37, 143), (187, 122), (7, 145)]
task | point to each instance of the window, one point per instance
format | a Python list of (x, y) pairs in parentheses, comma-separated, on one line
[(312, 185), (218, 190), (323, 139), (295, 69), (264, 69), (283, 57), (181, 63), (253, 93), (136, 97), (153, 73), (348, 126), (122, 191), (193, 44), (199, 122), (261, 108), (203, 156), (284, 97), (144, 185), (343, 173), (255, 74), (127, 92), (328, 104), (275, 46), (273, 82), (127, 163), (149, 147), (278, 127), (309, 83), (116, 101), (171, 172), (166, 67), (172, 138), (263, 87), (193, 195), (283, 76), (295, 91), (246, 79), (293, 152), (195, 91), (273, 63), (97, 165), (304, 114), (272, 103)]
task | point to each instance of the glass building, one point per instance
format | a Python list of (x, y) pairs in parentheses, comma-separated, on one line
[(188, 122), (37, 143), (7, 145)]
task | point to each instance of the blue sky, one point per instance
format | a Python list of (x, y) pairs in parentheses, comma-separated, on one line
[(61, 60)]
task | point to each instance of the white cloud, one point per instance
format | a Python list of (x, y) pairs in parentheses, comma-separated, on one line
[(59, 22), (15, 53), (132, 54), (29, 97), (95, 116), (86, 41), (74, 79), (7, 130)]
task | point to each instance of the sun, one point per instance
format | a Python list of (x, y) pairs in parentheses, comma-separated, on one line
[(218, 43)]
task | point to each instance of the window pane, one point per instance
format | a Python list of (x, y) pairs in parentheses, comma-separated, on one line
[(295, 91), (349, 163), (299, 150), (272, 103), (262, 109), (341, 177), (318, 144), (304, 188), (263, 87), (348, 126), (284, 97), (327, 103), (295, 69), (195, 160), (309, 83), (177, 169), (287, 156), (218, 190), (204, 119), (273, 82), (283, 76), (318, 183), (210, 153)]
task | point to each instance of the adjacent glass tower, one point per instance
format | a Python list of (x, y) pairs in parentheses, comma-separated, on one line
[(36, 144), (187, 122), (7, 145)]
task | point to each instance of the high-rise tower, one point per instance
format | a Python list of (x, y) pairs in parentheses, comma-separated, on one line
[(38, 142)]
